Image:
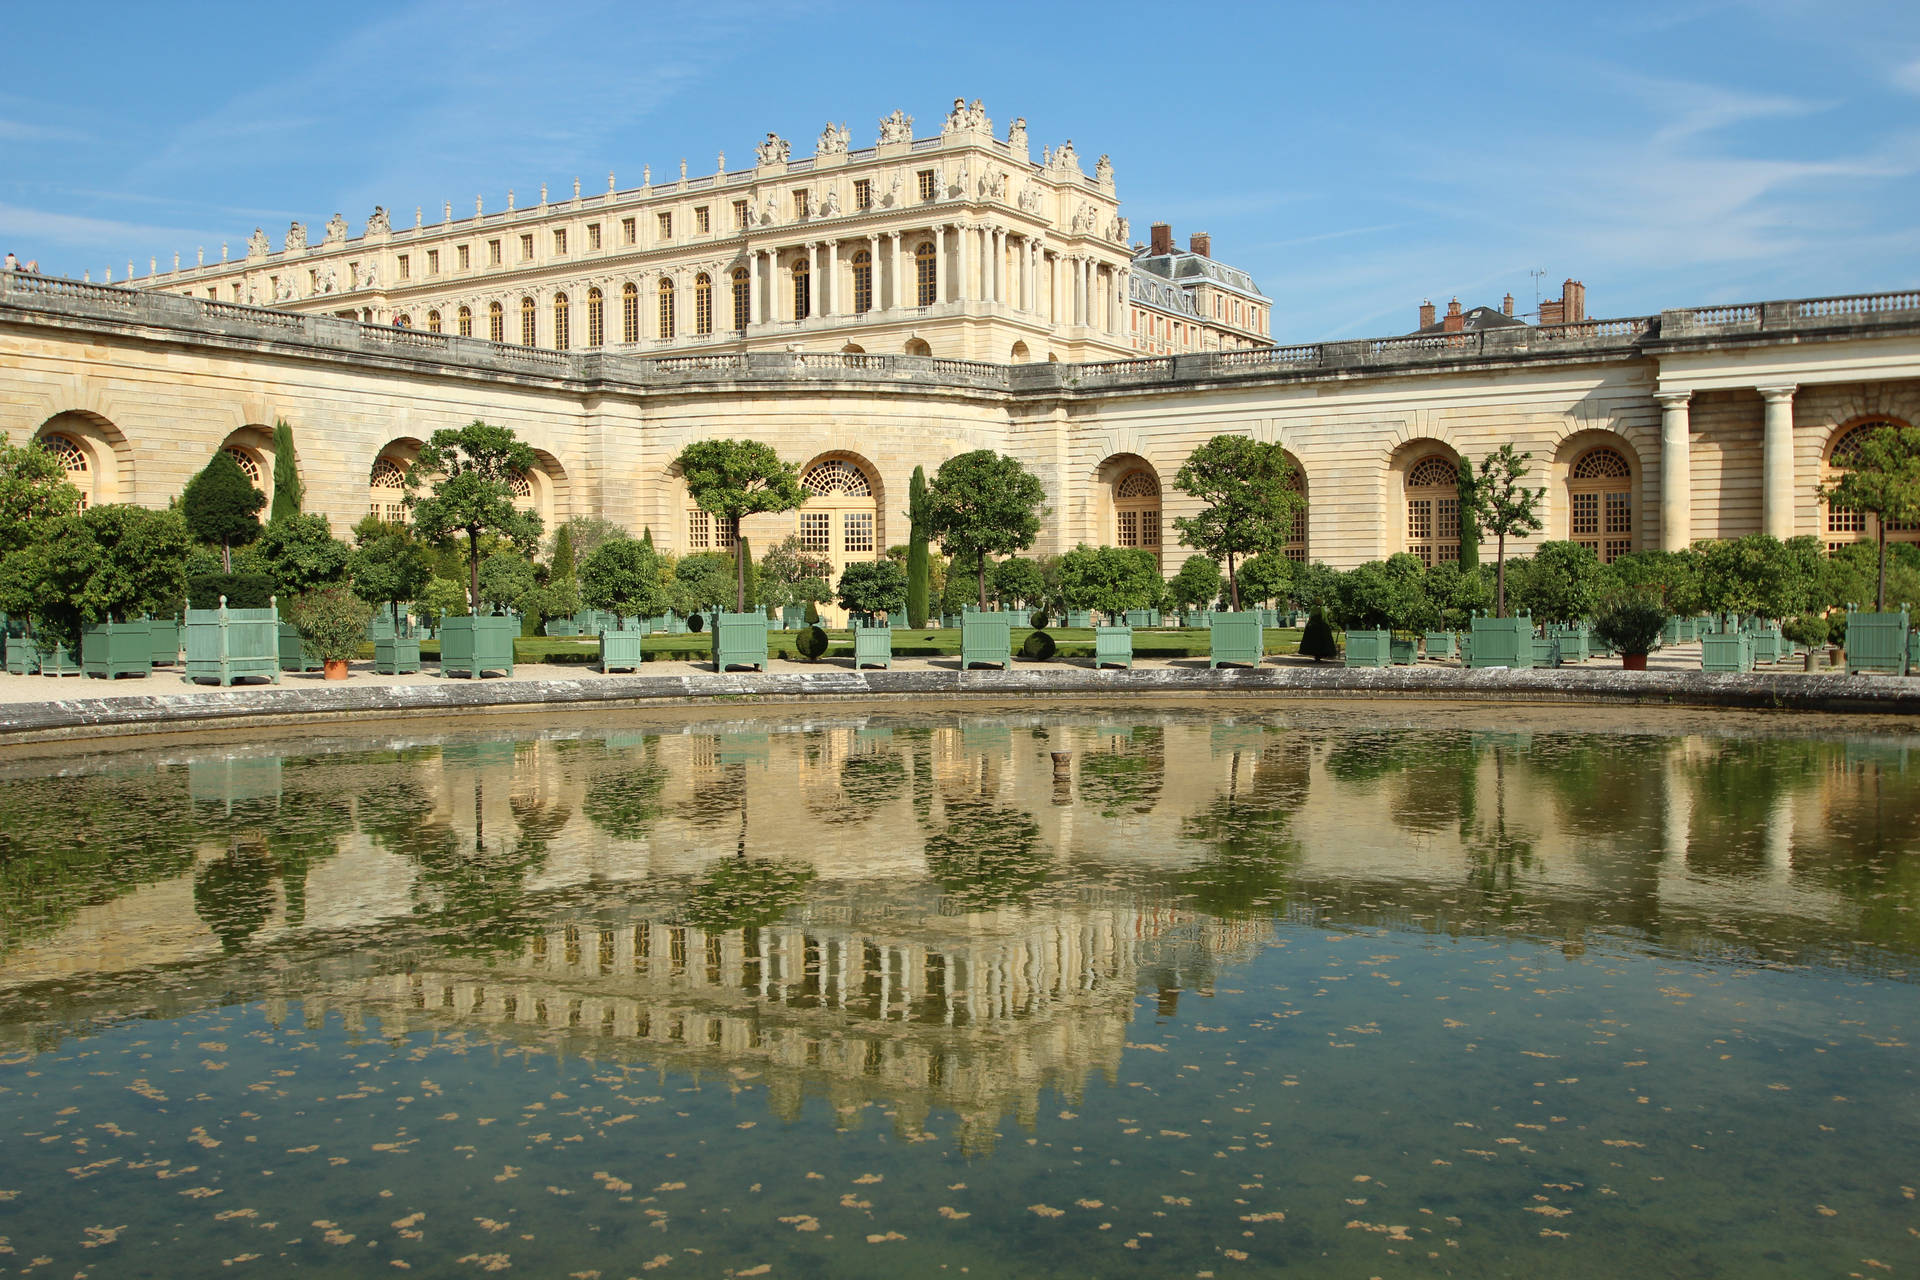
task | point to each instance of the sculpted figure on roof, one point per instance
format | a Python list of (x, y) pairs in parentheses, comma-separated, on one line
[(336, 230), (774, 150), (897, 127)]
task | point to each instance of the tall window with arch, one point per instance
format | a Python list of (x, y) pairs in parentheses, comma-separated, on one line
[(521, 486), (562, 322), (802, 289), (529, 318), (248, 464), (742, 298), (841, 518), (596, 318), (1433, 510), (403, 321), (1844, 524), (433, 321), (73, 460), (387, 491), (1600, 503), (1295, 547), (465, 321), (665, 332), (862, 282), (630, 312), (1136, 511), (496, 322), (926, 280), (703, 304)]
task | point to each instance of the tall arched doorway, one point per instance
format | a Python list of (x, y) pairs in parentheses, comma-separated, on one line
[(1433, 509), (1600, 503), (1295, 547), (1136, 511), (841, 520)]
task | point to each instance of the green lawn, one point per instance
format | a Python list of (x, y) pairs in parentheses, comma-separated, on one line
[(1073, 642)]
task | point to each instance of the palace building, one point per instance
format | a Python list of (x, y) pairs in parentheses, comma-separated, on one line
[(868, 311)]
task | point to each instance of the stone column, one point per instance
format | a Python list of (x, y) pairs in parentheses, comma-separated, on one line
[(756, 308), (830, 255), (896, 298), (999, 242), (967, 287), (873, 268), (1676, 471), (1776, 501), (940, 264), (1117, 302)]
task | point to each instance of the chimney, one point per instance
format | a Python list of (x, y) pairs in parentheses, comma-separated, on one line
[(1553, 311), (1573, 301), (1506, 305), (1201, 243), (1426, 312), (1162, 233), (1455, 322)]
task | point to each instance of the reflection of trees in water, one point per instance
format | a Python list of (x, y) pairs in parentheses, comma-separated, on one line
[(269, 838), (623, 795), (1426, 777), (1496, 855), (987, 855), (1251, 851), (1736, 785), (868, 783), (747, 893), (1128, 775), (717, 798), (233, 894)]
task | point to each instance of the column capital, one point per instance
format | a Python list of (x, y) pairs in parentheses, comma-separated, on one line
[(1776, 394), (1673, 399)]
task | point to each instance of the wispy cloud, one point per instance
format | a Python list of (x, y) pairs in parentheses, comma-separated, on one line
[(48, 226), (21, 131)]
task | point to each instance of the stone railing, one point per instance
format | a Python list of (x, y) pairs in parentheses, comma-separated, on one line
[(22, 282), (1859, 304)]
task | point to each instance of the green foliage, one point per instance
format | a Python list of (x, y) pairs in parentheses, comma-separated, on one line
[(812, 615), (791, 575), (1458, 593), (1266, 578), (736, 478), (220, 505), (508, 580), (443, 598), (1631, 622), (747, 893), (585, 535), (558, 598), (1018, 582), (625, 578), (110, 562), (1316, 641), (240, 590), (1850, 575), (1559, 584), (1673, 577), (34, 493), (919, 571), (1759, 575), (332, 620), (1467, 487), (874, 586), (389, 564), (1809, 630), (1038, 647), (1505, 508), (473, 468), (1317, 586), (960, 589), (288, 492), (703, 581), (984, 504), (1248, 502), (1390, 593), (1881, 476), (560, 561), (812, 641), (1111, 580), (299, 553), (1197, 585)]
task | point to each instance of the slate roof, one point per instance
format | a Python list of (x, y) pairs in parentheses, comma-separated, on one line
[(1477, 319)]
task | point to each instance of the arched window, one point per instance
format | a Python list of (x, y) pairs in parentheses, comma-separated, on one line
[(630, 312), (74, 460), (1136, 511), (1295, 547), (1600, 503), (403, 321), (862, 281), (1020, 353), (925, 278), (666, 308), (918, 347), (596, 318), (529, 315), (1433, 510), (496, 322), (802, 289), (433, 321), (387, 491), (742, 298), (522, 488), (1844, 524), (841, 519), (466, 322), (248, 464), (562, 325), (703, 303)]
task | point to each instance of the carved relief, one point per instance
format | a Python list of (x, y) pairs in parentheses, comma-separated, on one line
[(774, 150), (967, 119), (1064, 160), (1032, 196), (830, 202)]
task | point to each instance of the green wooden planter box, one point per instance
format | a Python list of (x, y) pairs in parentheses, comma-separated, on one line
[(986, 639), (165, 649), (1769, 645), (115, 649), (1546, 651), (873, 647), (1235, 637), (1404, 652), (1670, 633), (1576, 644), (396, 655), (294, 653), (792, 617), (1113, 647), (380, 624), (23, 656), (1442, 644), (1877, 643), (565, 627), (1139, 617), (621, 650), (57, 660), (232, 644), (1726, 651), (1080, 618), (1369, 648), (1503, 642), (472, 646), (739, 640)]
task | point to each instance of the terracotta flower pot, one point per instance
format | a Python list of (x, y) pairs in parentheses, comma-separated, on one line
[(336, 669), (1633, 662)]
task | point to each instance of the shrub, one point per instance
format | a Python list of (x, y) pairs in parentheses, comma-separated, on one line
[(1316, 641), (1039, 620), (242, 590), (1631, 623), (811, 642), (696, 623), (1810, 630), (1038, 647), (332, 621), (812, 617)]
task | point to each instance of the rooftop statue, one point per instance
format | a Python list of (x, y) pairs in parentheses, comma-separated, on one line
[(377, 223), (774, 150), (897, 127), (257, 245), (336, 230), (833, 140), (296, 236)]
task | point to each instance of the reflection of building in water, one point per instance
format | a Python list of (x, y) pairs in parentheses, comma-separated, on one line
[(902, 1005)]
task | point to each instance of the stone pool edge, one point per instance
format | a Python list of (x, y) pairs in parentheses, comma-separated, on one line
[(216, 708)]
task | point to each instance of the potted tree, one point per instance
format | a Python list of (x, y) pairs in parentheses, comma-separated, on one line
[(1632, 623), (332, 621)]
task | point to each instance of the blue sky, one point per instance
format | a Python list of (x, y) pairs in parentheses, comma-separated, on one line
[(1355, 157)]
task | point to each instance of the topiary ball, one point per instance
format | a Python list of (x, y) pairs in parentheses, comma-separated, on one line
[(811, 642), (1039, 620), (696, 623), (1038, 647)]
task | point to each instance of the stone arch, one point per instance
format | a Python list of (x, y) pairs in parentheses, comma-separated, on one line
[(1297, 546), (387, 478), (1424, 502), (252, 447), (853, 349), (1843, 525), (844, 518), (1129, 496), (1020, 353), (95, 451), (1595, 496), (548, 489), (918, 347)]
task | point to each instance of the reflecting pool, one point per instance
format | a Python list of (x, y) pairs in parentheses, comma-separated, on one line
[(1340, 990)]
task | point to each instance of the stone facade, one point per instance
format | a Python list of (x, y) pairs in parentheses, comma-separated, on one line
[(1647, 432)]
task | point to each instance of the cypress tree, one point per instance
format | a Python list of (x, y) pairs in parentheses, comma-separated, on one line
[(1467, 487), (562, 563), (919, 570), (287, 489), (752, 579), (221, 505), (646, 537)]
